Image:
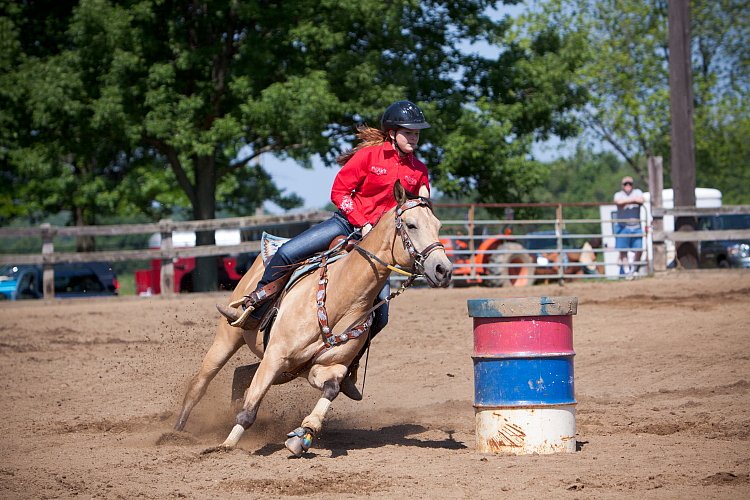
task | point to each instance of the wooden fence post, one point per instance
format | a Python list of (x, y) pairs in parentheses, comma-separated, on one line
[(48, 271), (472, 260), (167, 262), (562, 257), (655, 186)]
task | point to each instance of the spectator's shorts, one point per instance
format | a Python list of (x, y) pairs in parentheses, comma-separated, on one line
[(624, 241)]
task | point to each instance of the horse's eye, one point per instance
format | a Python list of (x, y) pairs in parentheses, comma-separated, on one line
[(410, 225)]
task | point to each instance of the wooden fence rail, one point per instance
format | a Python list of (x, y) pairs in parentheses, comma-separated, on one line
[(680, 236), (167, 253), (661, 237)]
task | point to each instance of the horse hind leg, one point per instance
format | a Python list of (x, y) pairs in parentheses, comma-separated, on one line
[(226, 342), (300, 439)]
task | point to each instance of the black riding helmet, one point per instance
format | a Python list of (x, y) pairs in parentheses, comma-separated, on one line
[(403, 114)]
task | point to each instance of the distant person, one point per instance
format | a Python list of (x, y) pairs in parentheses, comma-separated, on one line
[(628, 231)]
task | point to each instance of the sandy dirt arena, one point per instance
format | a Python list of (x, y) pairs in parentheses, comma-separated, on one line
[(91, 390)]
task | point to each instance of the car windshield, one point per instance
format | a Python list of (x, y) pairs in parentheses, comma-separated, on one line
[(9, 272), (735, 221)]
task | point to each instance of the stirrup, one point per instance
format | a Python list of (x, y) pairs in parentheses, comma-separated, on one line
[(237, 317), (245, 321), (238, 303)]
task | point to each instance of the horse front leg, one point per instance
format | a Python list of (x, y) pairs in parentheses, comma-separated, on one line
[(270, 369), (226, 342), (300, 439)]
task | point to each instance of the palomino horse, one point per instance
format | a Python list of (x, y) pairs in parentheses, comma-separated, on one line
[(406, 236)]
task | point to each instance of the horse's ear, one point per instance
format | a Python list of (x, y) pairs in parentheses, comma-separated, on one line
[(399, 193), (424, 192)]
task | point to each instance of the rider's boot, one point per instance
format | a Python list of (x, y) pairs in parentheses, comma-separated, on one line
[(348, 386), (240, 317), (248, 311)]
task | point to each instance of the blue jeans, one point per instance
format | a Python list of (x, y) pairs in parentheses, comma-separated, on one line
[(311, 241), (624, 239)]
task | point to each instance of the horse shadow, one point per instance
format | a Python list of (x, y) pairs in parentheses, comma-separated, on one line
[(340, 441)]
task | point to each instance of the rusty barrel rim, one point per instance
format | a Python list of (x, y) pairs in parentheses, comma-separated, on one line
[(522, 306)]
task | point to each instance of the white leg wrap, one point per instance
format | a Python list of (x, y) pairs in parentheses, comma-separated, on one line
[(314, 420), (322, 407), (234, 436)]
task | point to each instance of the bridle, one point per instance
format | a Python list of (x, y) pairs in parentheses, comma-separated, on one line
[(418, 257)]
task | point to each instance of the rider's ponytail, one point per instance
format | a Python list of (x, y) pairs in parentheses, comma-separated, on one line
[(368, 136)]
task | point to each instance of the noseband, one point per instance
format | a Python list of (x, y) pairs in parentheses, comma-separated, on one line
[(418, 257)]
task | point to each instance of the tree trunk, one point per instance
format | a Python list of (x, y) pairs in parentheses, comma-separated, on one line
[(681, 105), (81, 218), (205, 278)]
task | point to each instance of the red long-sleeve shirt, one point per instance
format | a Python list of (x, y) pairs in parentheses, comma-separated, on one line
[(363, 188)]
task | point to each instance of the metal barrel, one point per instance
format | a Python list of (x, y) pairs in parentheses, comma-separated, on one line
[(524, 394)]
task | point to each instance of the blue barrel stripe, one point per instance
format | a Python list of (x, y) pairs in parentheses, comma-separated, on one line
[(523, 381)]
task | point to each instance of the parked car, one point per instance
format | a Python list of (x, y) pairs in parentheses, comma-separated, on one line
[(724, 253), (89, 279)]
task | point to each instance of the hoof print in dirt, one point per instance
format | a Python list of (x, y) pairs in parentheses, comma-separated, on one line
[(217, 449)]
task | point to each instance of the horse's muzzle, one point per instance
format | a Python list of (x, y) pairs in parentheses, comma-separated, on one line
[(438, 270)]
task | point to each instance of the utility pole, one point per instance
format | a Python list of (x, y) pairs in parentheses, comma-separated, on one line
[(681, 105)]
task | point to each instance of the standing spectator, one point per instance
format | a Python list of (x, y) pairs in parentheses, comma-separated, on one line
[(628, 232)]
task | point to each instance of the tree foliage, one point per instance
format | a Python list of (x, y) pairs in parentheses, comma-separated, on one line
[(189, 94), (152, 105), (626, 73)]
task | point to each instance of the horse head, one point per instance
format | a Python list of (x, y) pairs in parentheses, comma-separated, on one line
[(419, 228)]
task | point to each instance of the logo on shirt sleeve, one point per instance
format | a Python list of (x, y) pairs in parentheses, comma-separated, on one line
[(346, 205), (410, 180), (378, 170)]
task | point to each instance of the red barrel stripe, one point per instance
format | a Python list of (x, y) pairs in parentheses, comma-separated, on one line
[(532, 334)]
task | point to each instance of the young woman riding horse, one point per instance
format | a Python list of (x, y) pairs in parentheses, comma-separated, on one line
[(406, 235), (362, 191)]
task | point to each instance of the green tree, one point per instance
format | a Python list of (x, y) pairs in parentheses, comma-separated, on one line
[(626, 73), (190, 94)]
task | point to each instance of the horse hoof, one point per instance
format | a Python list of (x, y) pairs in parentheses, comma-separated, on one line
[(295, 445), (349, 389)]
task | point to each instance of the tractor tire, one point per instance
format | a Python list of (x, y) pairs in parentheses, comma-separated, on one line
[(511, 276)]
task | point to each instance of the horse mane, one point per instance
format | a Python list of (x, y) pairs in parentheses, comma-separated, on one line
[(368, 136)]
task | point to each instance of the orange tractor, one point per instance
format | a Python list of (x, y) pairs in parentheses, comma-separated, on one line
[(502, 260), (497, 261)]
